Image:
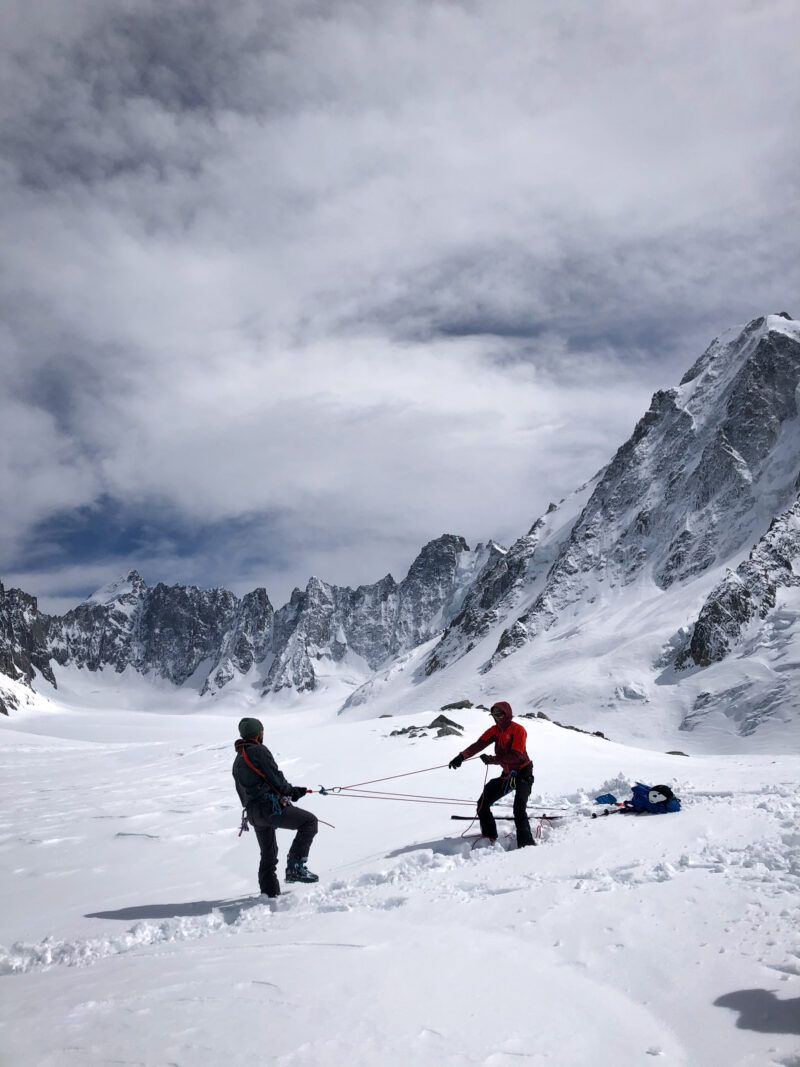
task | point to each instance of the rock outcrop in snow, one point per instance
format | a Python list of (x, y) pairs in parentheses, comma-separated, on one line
[(23, 646), (748, 593)]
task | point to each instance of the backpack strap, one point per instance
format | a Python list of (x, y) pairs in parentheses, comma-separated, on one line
[(253, 767), (275, 798)]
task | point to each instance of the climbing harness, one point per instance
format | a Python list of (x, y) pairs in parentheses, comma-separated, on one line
[(277, 802), (511, 783)]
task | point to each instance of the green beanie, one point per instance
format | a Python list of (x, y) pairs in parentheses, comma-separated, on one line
[(250, 728)]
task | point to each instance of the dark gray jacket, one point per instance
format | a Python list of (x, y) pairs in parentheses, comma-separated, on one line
[(256, 792)]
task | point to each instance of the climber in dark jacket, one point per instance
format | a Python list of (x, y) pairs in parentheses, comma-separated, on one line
[(267, 798), (512, 756)]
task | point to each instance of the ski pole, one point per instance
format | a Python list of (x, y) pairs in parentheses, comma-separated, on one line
[(609, 811)]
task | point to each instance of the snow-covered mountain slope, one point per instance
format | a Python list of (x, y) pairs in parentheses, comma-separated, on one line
[(585, 618), (702, 475), (130, 931), (509, 580), (639, 599)]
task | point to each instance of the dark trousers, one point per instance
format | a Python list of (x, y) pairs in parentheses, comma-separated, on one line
[(292, 818), (496, 788)]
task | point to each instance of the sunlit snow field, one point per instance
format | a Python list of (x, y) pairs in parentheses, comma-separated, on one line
[(132, 932)]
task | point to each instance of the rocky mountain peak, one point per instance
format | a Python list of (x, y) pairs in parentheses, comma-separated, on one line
[(369, 624), (23, 644), (685, 491), (131, 587)]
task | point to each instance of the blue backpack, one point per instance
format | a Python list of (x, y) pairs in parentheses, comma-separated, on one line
[(650, 800), (653, 800)]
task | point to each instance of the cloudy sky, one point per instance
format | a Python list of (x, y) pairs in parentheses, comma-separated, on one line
[(291, 288)]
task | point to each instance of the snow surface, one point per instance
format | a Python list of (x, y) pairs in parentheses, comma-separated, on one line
[(131, 932)]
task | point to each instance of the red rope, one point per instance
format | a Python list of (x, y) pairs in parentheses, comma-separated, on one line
[(393, 776), (356, 791), (485, 776), (417, 796), (405, 799)]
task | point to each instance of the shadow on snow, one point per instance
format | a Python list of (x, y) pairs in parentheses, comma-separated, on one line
[(229, 909), (446, 846), (762, 1011)]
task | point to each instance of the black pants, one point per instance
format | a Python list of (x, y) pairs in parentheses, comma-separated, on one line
[(292, 818), (493, 790)]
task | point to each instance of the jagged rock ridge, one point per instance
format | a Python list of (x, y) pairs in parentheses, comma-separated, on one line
[(375, 622), (500, 586), (182, 632), (23, 649)]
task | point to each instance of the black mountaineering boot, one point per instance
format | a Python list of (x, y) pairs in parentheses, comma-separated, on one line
[(296, 871)]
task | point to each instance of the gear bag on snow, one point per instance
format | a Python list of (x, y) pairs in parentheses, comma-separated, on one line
[(646, 799)]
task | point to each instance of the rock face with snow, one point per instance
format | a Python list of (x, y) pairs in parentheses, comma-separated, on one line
[(211, 636), (705, 469), (494, 593), (169, 631), (748, 593), (373, 622), (23, 647), (246, 643)]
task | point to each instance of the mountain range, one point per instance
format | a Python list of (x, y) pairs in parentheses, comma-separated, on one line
[(672, 578)]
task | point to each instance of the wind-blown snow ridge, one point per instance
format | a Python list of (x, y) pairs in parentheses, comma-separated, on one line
[(230, 919), (53, 952), (437, 870)]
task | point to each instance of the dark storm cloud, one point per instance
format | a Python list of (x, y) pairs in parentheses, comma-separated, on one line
[(342, 277), (81, 107)]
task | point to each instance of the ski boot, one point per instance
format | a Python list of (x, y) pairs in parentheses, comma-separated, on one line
[(296, 871)]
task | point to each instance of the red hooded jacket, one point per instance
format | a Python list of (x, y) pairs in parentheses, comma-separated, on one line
[(509, 742)]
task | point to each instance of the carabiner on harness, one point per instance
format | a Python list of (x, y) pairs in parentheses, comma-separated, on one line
[(245, 827)]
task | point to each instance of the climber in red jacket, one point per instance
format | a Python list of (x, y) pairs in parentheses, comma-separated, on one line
[(511, 754)]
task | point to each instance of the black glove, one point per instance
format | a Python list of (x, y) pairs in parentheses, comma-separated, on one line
[(485, 758), (297, 792), (456, 762)]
